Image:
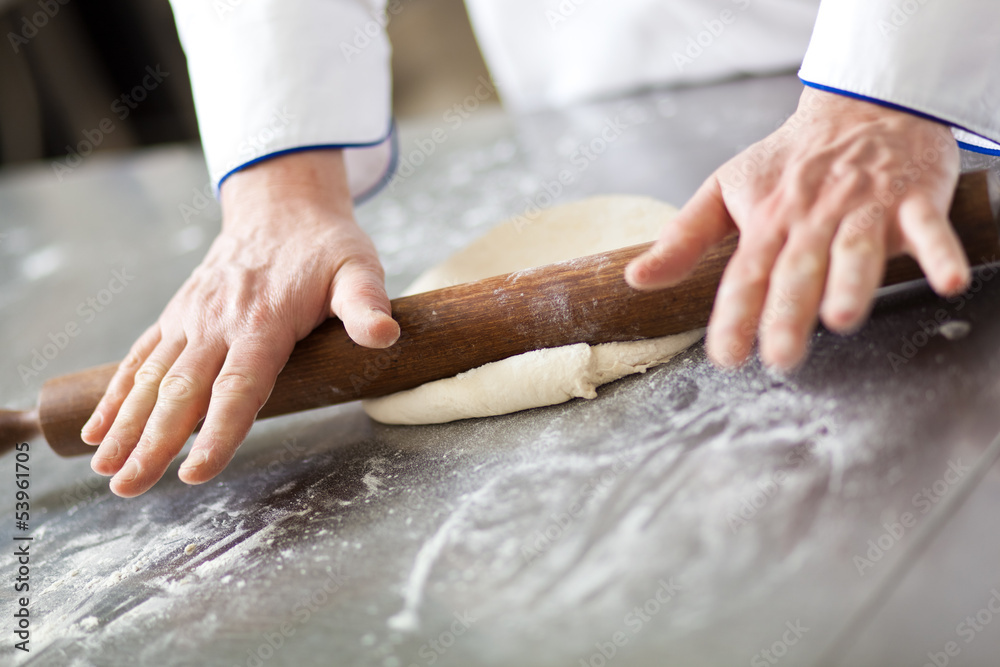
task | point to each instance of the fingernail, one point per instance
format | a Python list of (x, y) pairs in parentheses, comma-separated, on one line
[(128, 473), (92, 423), (636, 274), (194, 460), (378, 313), (379, 317)]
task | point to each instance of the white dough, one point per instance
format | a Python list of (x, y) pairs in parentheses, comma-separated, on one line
[(541, 377), (586, 227), (529, 380)]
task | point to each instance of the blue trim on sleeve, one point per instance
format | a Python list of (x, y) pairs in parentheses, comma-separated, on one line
[(898, 107), (390, 171), (300, 149), (978, 149)]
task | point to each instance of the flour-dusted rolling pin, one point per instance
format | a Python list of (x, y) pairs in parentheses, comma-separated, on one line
[(451, 330)]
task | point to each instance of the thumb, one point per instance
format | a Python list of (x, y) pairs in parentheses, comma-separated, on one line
[(360, 301), (700, 224)]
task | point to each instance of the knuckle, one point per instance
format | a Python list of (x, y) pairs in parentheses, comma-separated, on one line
[(132, 359), (852, 179), (258, 319), (804, 266), (790, 207), (368, 290), (928, 220), (783, 305), (176, 387), (149, 374), (752, 271), (808, 174), (363, 269), (850, 234), (678, 239), (857, 243), (126, 430), (235, 385)]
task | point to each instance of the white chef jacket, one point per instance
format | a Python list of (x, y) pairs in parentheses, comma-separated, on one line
[(277, 76)]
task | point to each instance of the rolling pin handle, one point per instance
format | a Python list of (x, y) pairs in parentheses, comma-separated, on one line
[(993, 192), (17, 426)]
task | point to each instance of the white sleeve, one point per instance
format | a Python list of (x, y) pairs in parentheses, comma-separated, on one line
[(935, 58), (276, 76)]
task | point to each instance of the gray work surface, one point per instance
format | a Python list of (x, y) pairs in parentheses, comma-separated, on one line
[(843, 515)]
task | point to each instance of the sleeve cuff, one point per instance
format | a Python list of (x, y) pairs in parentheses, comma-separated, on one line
[(370, 166), (967, 140), (274, 77), (938, 60)]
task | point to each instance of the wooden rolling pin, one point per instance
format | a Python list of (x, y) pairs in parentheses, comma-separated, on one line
[(451, 330)]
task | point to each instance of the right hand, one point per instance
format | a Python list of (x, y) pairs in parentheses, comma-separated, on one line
[(289, 256), (820, 205)]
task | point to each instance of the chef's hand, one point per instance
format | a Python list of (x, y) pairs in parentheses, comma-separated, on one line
[(289, 256), (820, 205)]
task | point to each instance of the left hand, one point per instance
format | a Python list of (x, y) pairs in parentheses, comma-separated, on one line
[(820, 205), (290, 255)]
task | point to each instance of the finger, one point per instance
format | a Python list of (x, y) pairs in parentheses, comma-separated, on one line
[(360, 301), (793, 297), (181, 402), (700, 224), (131, 418), (100, 421), (740, 298), (239, 392), (929, 237), (857, 264)]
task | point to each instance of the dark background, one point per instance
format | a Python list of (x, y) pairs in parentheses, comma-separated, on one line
[(77, 62)]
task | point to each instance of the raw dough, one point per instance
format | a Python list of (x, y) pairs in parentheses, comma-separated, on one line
[(554, 235), (541, 377)]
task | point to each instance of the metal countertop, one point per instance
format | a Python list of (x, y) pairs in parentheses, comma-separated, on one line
[(687, 516)]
